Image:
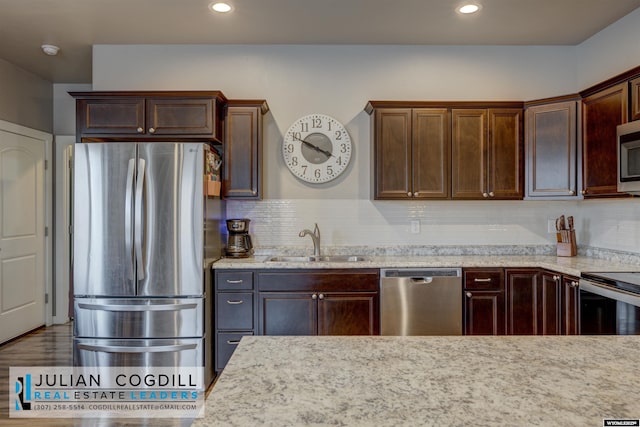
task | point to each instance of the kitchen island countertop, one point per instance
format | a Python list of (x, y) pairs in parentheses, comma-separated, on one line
[(422, 381), (566, 265)]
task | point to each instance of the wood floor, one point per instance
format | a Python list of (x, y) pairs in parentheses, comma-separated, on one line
[(52, 346)]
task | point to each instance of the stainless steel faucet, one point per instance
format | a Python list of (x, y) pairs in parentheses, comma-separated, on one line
[(315, 236)]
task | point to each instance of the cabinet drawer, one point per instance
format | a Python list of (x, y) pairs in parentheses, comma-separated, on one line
[(234, 310), (485, 278), (234, 280), (226, 344)]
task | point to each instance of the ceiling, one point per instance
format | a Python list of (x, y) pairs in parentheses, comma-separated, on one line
[(76, 25)]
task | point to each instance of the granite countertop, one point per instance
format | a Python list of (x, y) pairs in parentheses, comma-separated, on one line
[(423, 381), (565, 265)]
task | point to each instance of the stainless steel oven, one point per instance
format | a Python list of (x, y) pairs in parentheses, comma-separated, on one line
[(610, 303)]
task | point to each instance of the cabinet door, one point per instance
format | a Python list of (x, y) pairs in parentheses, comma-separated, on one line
[(349, 313), (551, 149), (570, 306), (635, 99), (533, 303), (505, 166), (392, 141), (181, 116), (484, 313), (431, 153), (110, 116), (242, 153), (602, 113), (469, 154), (283, 313)]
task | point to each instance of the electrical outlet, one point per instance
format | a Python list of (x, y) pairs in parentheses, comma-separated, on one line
[(415, 226), (551, 225)]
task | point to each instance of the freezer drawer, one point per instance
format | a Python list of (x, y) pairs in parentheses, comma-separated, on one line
[(133, 353), (139, 317)]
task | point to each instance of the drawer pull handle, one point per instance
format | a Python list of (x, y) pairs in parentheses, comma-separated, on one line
[(482, 280), (233, 342), (235, 302), (234, 282)]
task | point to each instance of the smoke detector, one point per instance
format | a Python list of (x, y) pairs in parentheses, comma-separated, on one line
[(50, 49)]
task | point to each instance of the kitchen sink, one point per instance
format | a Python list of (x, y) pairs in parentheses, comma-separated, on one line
[(328, 258)]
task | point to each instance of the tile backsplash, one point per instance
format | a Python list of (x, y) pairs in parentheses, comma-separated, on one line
[(609, 224)]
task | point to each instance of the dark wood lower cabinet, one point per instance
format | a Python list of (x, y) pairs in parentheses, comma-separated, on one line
[(319, 302), (484, 301), (484, 313), (533, 302), (284, 313), (570, 306)]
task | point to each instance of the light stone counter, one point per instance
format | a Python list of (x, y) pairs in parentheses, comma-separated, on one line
[(565, 265), (427, 381)]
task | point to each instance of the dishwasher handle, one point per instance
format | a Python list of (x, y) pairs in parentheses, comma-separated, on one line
[(421, 280)]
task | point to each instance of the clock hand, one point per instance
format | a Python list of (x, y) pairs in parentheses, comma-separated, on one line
[(315, 147)]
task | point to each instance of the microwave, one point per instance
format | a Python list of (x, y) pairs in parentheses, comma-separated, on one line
[(629, 157)]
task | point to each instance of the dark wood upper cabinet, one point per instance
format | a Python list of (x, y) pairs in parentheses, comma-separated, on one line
[(392, 146), (551, 147), (487, 153), (635, 98), (149, 116), (431, 153), (242, 167), (602, 112), (412, 153)]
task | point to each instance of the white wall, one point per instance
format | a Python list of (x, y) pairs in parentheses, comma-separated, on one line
[(338, 81), (610, 52)]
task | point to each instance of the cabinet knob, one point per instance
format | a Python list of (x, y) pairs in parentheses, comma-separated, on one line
[(574, 284), (573, 193), (409, 193), (485, 195), (556, 278), (321, 296), (469, 294), (152, 130), (491, 194), (314, 296), (415, 194), (583, 192), (140, 130)]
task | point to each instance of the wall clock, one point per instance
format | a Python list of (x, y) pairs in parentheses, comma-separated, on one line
[(316, 148)]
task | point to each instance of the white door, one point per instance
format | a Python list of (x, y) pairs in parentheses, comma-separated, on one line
[(22, 239)]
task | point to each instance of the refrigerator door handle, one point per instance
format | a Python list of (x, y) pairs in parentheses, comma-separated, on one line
[(128, 206), (139, 234), (160, 307), (134, 349)]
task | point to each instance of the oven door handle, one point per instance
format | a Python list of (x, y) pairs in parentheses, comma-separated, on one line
[(607, 292)]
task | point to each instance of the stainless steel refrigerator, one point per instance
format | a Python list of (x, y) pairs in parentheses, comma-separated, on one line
[(144, 237)]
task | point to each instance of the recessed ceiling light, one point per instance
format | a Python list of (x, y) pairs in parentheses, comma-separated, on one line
[(50, 49), (220, 7), (469, 8)]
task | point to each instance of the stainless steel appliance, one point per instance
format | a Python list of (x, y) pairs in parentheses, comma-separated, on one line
[(610, 303), (629, 157), (421, 302), (144, 238), (239, 243)]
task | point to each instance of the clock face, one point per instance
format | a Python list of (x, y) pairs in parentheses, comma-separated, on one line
[(316, 148)]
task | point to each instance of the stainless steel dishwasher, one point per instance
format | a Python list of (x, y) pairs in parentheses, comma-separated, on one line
[(421, 301)]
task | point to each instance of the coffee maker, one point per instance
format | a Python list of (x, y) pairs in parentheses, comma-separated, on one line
[(239, 242)]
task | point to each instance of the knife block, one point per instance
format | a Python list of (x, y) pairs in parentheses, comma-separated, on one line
[(569, 247)]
